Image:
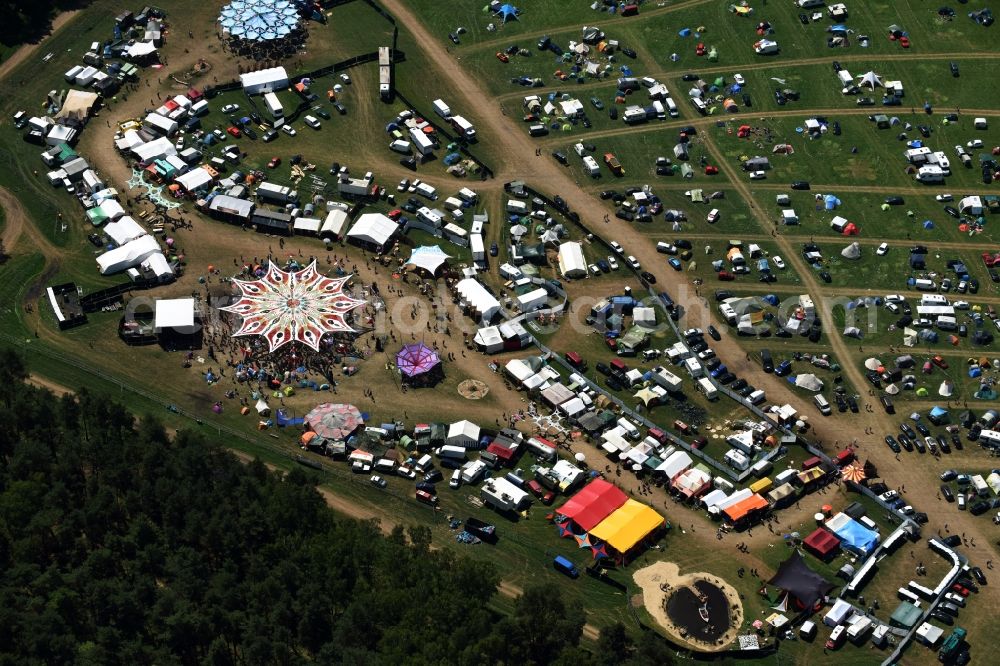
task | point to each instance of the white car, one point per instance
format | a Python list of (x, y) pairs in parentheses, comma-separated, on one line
[(180, 143), (975, 143), (612, 263), (413, 186), (403, 185), (943, 197), (738, 79), (345, 78), (406, 472), (229, 108), (778, 261), (287, 129), (594, 269), (378, 481), (219, 134), (758, 175), (633, 262), (713, 216), (882, 249), (616, 247)]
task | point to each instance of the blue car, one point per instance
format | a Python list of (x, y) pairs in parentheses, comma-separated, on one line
[(674, 263), (721, 370), (783, 368)]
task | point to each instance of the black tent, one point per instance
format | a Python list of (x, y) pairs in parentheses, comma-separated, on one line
[(796, 578)]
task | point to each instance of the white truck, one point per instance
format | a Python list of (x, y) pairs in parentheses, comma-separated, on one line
[(441, 108), (273, 105)]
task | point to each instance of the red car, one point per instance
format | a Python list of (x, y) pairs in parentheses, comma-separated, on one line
[(711, 170), (234, 131), (939, 362), (273, 164), (502, 57), (960, 589), (700, 49), (395, 215), (904, 42), (726, 276)]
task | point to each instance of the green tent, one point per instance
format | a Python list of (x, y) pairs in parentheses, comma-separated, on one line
[(97, 216)]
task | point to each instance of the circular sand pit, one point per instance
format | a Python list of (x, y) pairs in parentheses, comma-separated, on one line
[(473, 389), (698, 609)]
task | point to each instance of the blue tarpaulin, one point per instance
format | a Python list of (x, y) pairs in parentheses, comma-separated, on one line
[(853, 535)]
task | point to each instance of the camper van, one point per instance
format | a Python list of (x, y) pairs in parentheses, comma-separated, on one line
[(699, 105), (591, 166)]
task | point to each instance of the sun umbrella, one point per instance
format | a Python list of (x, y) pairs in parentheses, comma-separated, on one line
[(583, 540), (564, 529), (334, 421), (580, 457), (599, 551), (892, 389), (854, 472), (873, 363)]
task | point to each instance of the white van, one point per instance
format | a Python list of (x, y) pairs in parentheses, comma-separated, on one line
[(312, 121), (402, 147), (757, 397), (456, 479), (845, 77), (700, 105), (822, 404), (425, 463), (946, 323), (924, 284), (671, 107)]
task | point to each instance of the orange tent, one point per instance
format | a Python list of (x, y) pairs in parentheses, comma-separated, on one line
[(744, 508)]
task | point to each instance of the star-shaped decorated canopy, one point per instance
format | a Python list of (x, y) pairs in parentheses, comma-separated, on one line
[(293, 306)]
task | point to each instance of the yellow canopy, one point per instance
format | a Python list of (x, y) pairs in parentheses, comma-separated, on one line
[(628, 525)]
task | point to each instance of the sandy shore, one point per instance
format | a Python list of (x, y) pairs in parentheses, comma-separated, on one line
[(650, 580)]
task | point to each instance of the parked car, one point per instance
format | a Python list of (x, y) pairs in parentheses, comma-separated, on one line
[(230, 108), (288, 129), (674, 263)]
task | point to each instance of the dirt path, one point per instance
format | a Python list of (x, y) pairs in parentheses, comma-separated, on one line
[(41, 382), (22, 53), (17, 224)]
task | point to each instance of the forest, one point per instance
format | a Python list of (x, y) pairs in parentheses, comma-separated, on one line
[(25, 21), (120, 544)]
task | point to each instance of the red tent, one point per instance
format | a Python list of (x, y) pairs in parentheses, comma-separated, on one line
[(821, 543), (851, 229), (500, 451), (595, 502)]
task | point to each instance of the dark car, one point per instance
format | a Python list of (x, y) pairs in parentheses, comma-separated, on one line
[(629, 52), (836, 128), (746, 100), (95, 240), (943, 444), (973, 286), (433, 476), (674, 263), (922, 429), (947, 494), (341, 109), (800, 185), (714, 333), (953, 66), (690, 76), (980, 576), (979, 508), (803, 19), (249, 131), (893, 444), (836, 66), (607, 194), (825, 277), (544, 42), (887, 404), (648, 277), (780, 98), (739, 385), (494, 250), (613, 112), (853, 404), (747, 390), (560, 157), (951, 210), (454, 38), (895, 201), (943, 617), (270, 135), (766, 362), (905, 442), (783, 368), (891, 100), (604, 266)]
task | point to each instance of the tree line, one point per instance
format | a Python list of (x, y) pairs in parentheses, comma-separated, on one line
[(120, 544), (25, 22)]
